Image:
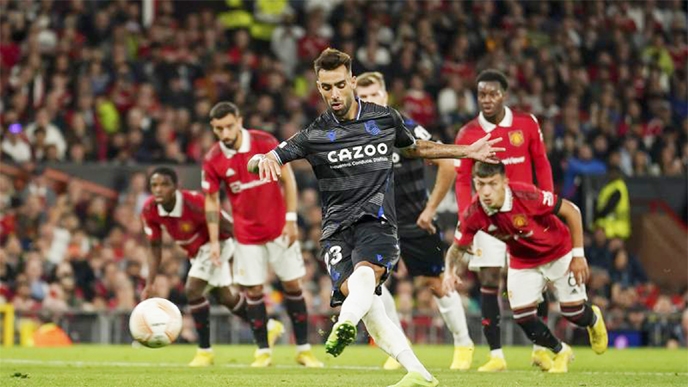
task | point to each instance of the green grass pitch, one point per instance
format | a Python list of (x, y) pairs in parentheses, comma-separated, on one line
[(359, 366)]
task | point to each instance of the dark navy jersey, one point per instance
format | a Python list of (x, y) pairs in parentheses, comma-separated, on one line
[(352, 161), (410, 190)]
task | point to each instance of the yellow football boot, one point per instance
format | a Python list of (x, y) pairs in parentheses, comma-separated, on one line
[(203, 359), (308, 359), (262, 360), (415, 379), (391, 364), (598, 333), (541, 358), (562, 360), (275, 330), (495, 364), (463, 357)]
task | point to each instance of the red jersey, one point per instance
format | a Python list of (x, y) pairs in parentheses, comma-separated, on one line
[(258, 207), (522, 138), (527, 223), (185, 223)]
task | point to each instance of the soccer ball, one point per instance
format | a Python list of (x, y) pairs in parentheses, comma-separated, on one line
[(155, 322)]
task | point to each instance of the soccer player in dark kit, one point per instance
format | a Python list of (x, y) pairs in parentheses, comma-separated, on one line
[(350, 149), (542, 250), (421, 244)]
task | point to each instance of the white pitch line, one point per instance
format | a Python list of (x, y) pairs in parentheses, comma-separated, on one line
[(62, 363)]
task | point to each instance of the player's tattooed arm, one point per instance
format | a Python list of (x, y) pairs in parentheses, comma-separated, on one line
[(212, 215), (454, 255), (212, 219), (481, 150)]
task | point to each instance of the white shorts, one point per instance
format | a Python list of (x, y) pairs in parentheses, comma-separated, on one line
[(488, 252), (525, 286), (250, 264), (202, 267)]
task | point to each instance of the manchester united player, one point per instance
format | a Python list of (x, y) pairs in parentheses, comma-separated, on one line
[(181, 213), (420, 243), (264, 226), (542, 250), (526, 161)]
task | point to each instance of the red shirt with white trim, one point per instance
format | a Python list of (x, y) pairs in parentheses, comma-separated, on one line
[(258, 207), (185, 224), (525, 156), (527, 223)]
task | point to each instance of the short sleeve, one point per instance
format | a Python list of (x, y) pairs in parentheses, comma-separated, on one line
[(544, 203), (296, 147), (150, 228), (404, 135), (210, 181), (418, 131), (467, 229)]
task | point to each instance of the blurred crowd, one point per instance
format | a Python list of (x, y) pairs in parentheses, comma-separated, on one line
[(86, 81)]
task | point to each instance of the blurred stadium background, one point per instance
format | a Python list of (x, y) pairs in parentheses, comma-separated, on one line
[(93, 93)]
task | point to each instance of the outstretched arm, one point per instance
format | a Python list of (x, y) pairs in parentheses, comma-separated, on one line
[(266, 166), (481, 150)]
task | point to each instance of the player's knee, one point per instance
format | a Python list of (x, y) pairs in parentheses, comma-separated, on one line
[(435, 285), (292, 286), (378, 271), (193, 292), (254, 291), (490, 276)]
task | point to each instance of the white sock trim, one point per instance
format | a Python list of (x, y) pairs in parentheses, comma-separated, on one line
[(261, 351), (497, 353), (303, 348)]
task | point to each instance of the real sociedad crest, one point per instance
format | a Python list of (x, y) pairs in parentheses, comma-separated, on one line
[(372, 128)]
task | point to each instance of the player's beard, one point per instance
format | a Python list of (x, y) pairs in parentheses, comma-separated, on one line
[(346, 106), (229, 144)]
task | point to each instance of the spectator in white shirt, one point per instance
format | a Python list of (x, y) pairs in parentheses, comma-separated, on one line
[(15, 145), (53, 135)]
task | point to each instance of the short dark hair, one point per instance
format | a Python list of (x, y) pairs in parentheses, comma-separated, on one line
[(330, 59), (223, 109), (481, 169), (492, 75), (165, 171)]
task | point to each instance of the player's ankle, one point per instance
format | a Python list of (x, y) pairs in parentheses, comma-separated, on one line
[(497, 353)]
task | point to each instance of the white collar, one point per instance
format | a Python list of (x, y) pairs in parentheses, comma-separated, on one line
[(358, 114), (244, 148), (178, 205), (506, 207), (488, 126)]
